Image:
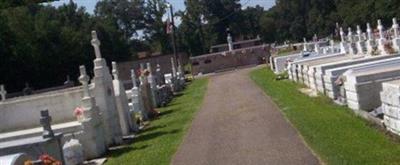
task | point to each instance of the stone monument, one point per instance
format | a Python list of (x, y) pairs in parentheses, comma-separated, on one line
[(127, 125), (3, 93), (371, 40), (360, 42), (381, 40), (396, 39), (93, 138), (343, 43), (104, 94)]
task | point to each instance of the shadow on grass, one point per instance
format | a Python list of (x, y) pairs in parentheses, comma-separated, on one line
[(149, 136), (153, 128), (124, 149), (167, 112)]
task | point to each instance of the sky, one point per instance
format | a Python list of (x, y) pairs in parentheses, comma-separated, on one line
[(177, 4)]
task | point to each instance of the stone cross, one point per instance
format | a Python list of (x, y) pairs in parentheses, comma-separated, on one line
[(380, 28), (360, 40), (3, 92), (350, 35), (342, 37), (84, 79), (395, 28), (230, 43), (359, 33), (115, 70), (305, 44), (96, 45), (369, 32), (45, 121), (332, 45)]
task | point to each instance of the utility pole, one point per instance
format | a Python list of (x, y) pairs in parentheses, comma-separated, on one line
[(173, 36)]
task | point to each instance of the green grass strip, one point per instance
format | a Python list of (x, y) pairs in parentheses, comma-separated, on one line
[(158, 143), (333, 132)]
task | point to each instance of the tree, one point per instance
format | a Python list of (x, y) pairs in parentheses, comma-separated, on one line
[(155, 31)]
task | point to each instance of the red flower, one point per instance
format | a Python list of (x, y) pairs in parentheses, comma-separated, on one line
[(78, 111)]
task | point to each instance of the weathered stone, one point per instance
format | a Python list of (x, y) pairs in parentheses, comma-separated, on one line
[(363, 85), (121, 100), (104, 94)]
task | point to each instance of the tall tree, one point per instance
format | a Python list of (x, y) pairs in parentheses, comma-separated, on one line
[(155, 31)]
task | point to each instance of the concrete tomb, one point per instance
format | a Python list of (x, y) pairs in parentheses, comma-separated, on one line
[(49, 143), (362, 85), (332, 89), (390, 97)]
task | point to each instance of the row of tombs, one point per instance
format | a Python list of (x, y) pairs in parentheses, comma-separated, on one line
[(361, 71), (87, 119)]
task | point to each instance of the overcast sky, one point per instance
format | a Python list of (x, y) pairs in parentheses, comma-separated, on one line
[(178, 4)]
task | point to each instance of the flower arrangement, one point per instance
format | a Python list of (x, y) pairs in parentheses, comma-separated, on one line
[(78, 113), (44, 159), (48, 160)]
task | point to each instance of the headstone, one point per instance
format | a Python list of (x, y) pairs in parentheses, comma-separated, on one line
[(3, 92), (136, 105), (230, 42), (45, 121), (317, 48), (396, 39), (360, 43), (145, 93), (73, 152), (305, 45), (93, 139), (68, 82), (27, 90), (104, 94), (371, 40), (159, 76), (352, 46), (381, 40), (153, 86), (126, 122), (343, 43), (332, 46)]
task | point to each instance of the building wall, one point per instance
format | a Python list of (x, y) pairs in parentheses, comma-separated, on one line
[(228, 60), (24, 112)]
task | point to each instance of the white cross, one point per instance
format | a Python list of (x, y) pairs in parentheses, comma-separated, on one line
[(395, 28), (369, 31), (96, 44)]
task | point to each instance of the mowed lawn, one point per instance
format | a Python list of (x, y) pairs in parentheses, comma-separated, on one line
[(333, 132), (159, 141)]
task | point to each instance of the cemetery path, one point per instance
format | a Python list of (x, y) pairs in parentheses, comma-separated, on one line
[(239, 124)]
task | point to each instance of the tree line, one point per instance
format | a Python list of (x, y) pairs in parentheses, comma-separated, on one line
[(41, 44)]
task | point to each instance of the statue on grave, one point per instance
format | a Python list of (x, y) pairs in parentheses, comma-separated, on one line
[(146, 97)]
